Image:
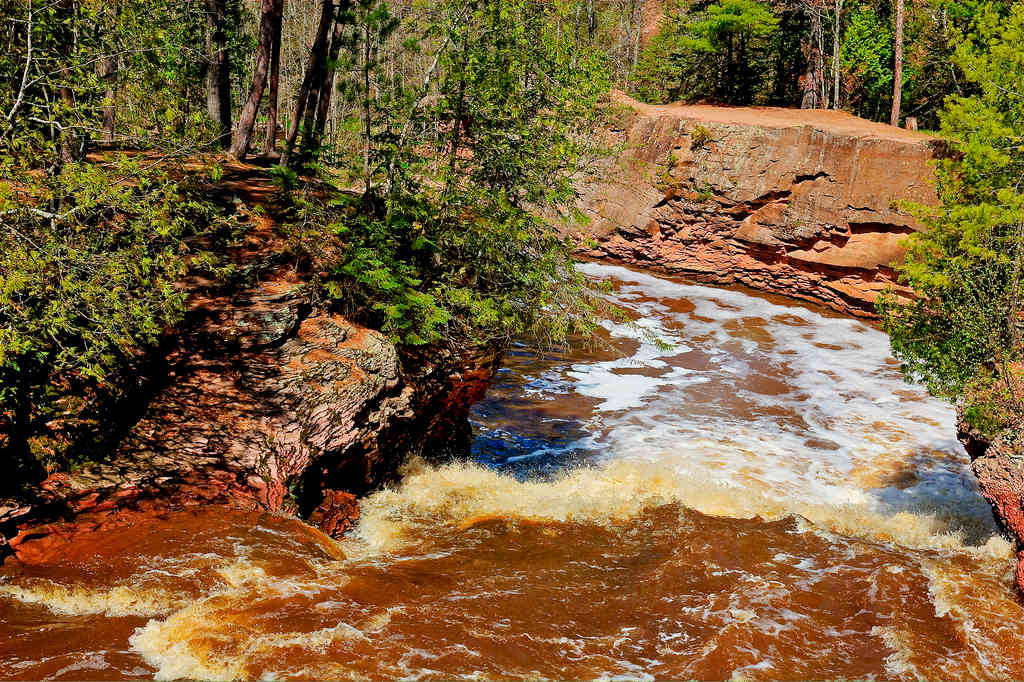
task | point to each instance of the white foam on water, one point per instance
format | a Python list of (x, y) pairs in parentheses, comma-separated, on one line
[(754, 410), (781, 399)]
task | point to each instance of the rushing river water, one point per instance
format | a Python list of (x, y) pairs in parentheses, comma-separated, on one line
[(759, 498)]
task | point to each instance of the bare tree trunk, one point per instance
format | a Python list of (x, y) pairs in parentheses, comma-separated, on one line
[(821, 69), (326, 88), (459, 114), (366, 106), (271, 13), (270, 144), (107, 69), (71, 144), (812, 79), (218, 70), (639, 28), (307, 94), (835, 55), (897, 85)]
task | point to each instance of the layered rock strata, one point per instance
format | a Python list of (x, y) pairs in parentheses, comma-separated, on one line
[(264, 401), (799, 203), (998, 463)]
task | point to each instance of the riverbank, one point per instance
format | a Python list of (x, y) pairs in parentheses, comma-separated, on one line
[(763, 498), (263, 398), (812, 205)]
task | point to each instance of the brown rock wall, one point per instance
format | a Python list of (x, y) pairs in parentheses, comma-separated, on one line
[(800, 203), (999, 466)]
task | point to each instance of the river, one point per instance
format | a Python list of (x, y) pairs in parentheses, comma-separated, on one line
[(733, 486)]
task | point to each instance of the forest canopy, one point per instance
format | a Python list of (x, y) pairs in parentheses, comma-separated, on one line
[(839, 54), (422, 140), (424, 154)]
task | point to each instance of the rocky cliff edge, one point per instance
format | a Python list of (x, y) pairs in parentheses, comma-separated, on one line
[(800, 203)]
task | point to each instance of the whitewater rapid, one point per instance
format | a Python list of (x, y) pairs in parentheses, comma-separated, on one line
[(732, 486)]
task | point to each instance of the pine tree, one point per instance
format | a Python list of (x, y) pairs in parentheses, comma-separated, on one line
[(963, 335)]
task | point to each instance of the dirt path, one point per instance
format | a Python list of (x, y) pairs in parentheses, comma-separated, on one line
[(839, 122)]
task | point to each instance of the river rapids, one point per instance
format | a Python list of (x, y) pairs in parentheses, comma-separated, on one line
[(732, 487)]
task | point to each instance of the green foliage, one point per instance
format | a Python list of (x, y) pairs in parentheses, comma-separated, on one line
[(992, 404), (91, 249), (450, 245), (866, 62), (700, 137), (965, 329), (732, 21), (719, 52), (88, 267)]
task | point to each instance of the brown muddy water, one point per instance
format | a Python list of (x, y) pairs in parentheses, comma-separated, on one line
[(761, 499)]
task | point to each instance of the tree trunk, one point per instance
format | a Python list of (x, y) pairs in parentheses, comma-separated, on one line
[(366, 106), (326, 88), (70, 141), (107, 70), (271, 13), (459, 114), (307, 94), (812, 79), (897, 85), (639, 28), (270, 144), (835, 55), (724, 92), (218, 70)]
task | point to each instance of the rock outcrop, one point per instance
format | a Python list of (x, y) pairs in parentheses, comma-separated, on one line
[(264, 401), (998, 464), (799, 203)]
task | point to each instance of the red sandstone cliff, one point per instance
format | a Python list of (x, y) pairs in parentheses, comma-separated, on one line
[(265, 400), (998, 463), (800, 203)]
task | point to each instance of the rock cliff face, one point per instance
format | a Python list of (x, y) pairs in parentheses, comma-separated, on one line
[(267, 402), (800, 203), (999, 466)]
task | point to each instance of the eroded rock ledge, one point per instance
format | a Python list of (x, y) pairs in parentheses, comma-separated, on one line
[(265, 401), (998, 463), (799, 203)]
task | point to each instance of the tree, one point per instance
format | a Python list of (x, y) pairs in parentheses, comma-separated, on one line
[(218, 73), (866, 62), (836, 49), (89, 252), (446, 242), (270, 21), (270, 142), (897, 81), (962, 335), (83, 288), (313, 81), (719, 52), (813, 80)]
